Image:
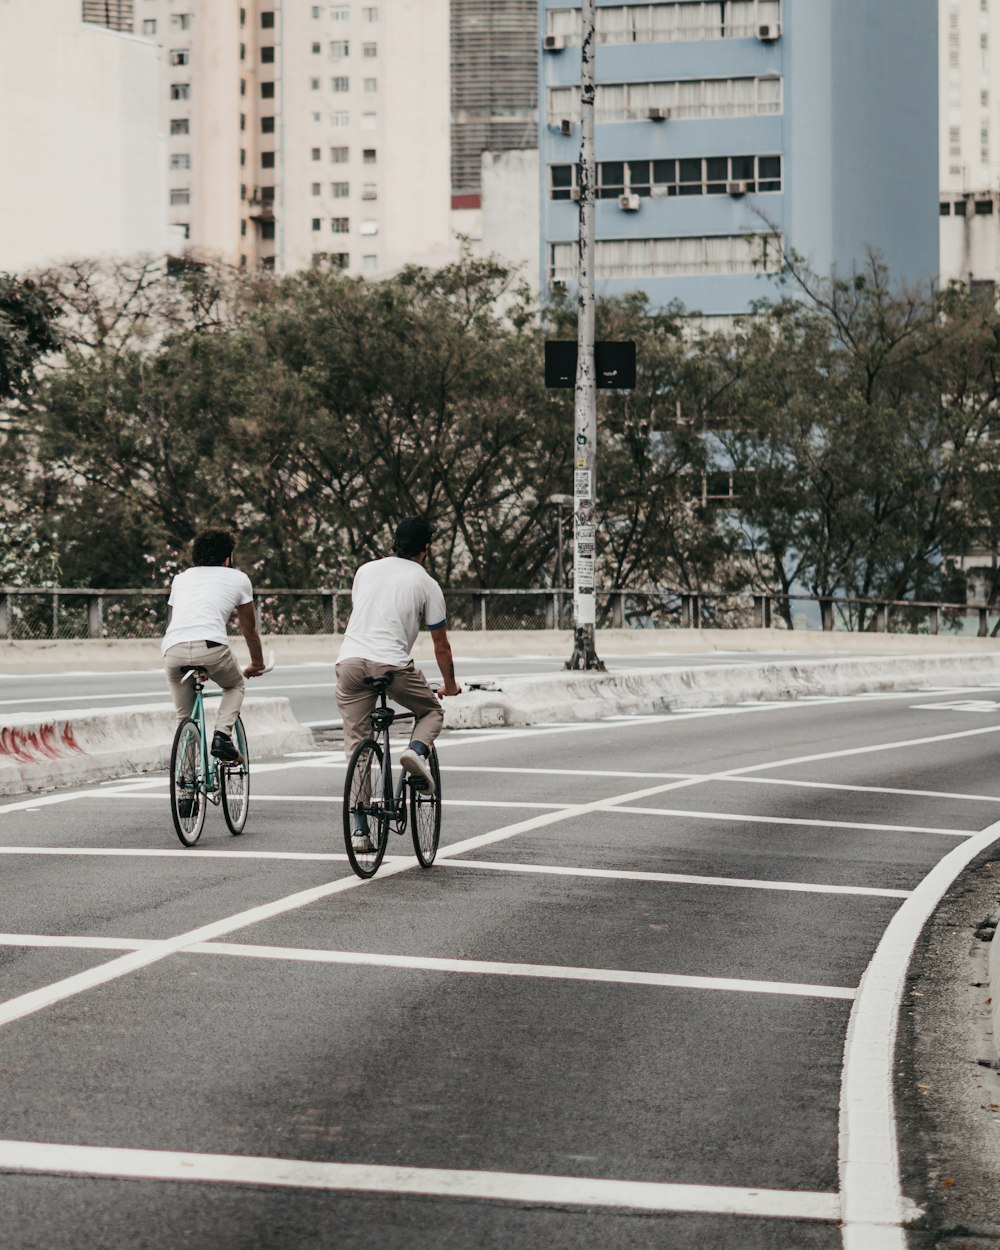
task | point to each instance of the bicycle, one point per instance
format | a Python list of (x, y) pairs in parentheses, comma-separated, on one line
[(373, 800), (197, 778)]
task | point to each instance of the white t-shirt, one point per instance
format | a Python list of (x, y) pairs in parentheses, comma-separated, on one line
[(390, 598), (203, 599)]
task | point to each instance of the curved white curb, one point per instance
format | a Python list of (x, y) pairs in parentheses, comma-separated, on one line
[(873, 1205)]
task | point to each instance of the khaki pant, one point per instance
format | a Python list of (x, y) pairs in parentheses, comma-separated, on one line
[(409, 689), (221, 666)]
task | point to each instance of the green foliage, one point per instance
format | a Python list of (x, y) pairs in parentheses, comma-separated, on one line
[(27, 332)]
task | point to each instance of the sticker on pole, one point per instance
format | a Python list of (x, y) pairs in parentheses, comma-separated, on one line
[(581, 483)]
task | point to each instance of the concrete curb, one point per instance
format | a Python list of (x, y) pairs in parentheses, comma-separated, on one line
[(593, 696), (85, 745)]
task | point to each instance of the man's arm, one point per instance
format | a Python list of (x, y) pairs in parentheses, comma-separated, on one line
[(247, 616), (445, 662)]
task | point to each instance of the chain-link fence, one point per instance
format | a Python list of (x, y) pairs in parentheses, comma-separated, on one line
[(45, 614)]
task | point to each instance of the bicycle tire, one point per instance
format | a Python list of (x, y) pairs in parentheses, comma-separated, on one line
[(364, 796), (425, 816), (187, 782), (234, 782)]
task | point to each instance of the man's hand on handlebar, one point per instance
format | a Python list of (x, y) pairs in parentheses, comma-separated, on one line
[(449, 688), (255, 670)]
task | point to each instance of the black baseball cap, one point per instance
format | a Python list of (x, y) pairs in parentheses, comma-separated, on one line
[(412, 535)]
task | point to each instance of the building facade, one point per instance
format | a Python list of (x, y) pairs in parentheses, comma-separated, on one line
[(115, 14), (82, 140), (293, 133), (969, 70), (729, 132)]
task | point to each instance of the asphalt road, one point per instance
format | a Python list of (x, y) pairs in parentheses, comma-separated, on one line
[(310, 687), (611, 1016)]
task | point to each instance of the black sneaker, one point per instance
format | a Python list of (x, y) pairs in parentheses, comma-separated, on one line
[(224, 749), (187, 807)]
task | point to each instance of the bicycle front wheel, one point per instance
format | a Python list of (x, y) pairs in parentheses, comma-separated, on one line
[(234, 781), (187, 782), (366, 826), (425, 816)]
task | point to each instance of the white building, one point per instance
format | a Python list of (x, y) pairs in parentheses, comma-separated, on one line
[(969, 147), (301, 131), (80, 131)]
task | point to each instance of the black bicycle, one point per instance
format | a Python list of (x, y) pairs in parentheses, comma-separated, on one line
[(374, 802)]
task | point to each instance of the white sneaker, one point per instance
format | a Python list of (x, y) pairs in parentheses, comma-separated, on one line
[(418, 766)]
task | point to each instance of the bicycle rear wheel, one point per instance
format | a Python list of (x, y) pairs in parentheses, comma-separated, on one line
[(187, 782), (366, 825), (425, 816), (234, 781)]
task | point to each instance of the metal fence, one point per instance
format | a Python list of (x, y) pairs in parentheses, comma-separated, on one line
[(36, 613)]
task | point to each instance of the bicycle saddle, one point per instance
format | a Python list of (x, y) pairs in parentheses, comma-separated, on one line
[(194, 668), (378, 684)]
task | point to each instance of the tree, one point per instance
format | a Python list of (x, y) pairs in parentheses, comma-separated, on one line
[(27, 333)]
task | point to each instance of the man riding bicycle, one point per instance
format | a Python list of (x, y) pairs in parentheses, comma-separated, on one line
[(390, 597), (202, 599)]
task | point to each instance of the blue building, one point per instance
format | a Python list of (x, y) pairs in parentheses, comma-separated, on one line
[(728, 129)]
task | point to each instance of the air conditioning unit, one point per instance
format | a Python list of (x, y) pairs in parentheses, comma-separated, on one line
[(574, 193), (768, 32), (566, 126), (656, 114), (737, 188), (553, 43), (629, 203), (557, 287)]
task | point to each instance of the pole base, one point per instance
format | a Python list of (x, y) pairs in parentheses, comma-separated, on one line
[(584, 651)]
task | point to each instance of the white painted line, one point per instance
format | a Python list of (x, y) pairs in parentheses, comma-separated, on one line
[(192, 854), (739, 818), (526, 1188), (669, 878), (551, 972), (874, 1205), (339, 798), (35, 1000), (53, 941)]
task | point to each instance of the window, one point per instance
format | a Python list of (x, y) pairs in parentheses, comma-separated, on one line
[(315, 10), (339, 156), (340, 12), (180, 160), (267, 160), (339, 48), (340, 260), (369, 191), (960, 208), (713, 175), (267, 229), (984, 208), (340, 190), (954, 141), (149, 26), (659, 258), (267, 232), (314, 84), (371, 86), (316, 154), (369, 264), (369, 51), (369, 227), (316, 188), (243, 121), (267, 56), (267, 90), (339, 121), (668, 21), (180, 91), (267, 19), (340, 84), (243, 157), (180, 126), (368, 121), (317, 223), (316, 49), (984, 99), (340, 225), (370, 12), (267, 195), (945, 208), (180, 21), (243, 86), (267, 125), (687, 98), (180, 195)]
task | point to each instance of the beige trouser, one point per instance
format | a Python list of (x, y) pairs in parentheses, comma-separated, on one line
[(221, 666), (409, 689)]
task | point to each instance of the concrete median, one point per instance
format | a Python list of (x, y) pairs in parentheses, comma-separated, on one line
[(592, 696), (81, 744)]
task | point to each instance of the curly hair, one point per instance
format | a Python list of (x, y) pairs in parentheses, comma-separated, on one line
[(212, 547)]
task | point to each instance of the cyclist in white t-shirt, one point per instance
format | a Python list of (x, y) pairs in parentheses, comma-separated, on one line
[(202, 599), (391, 597)]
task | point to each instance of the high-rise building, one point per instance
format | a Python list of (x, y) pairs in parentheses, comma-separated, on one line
[(116, 14), (969, 71), (302, 131), (81, 136), (494, 87), (727, 132)]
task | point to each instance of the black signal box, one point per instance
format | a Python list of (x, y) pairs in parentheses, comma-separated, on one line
[(615, 365)]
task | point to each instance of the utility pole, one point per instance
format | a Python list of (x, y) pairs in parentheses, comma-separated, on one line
[(585, 398)]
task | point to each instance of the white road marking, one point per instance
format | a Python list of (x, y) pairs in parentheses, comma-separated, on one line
[(193, 853), (737, 818), (429, 963), (965, 705), (669, 878), (519, 1187), (339, 798), (874, 1206)]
